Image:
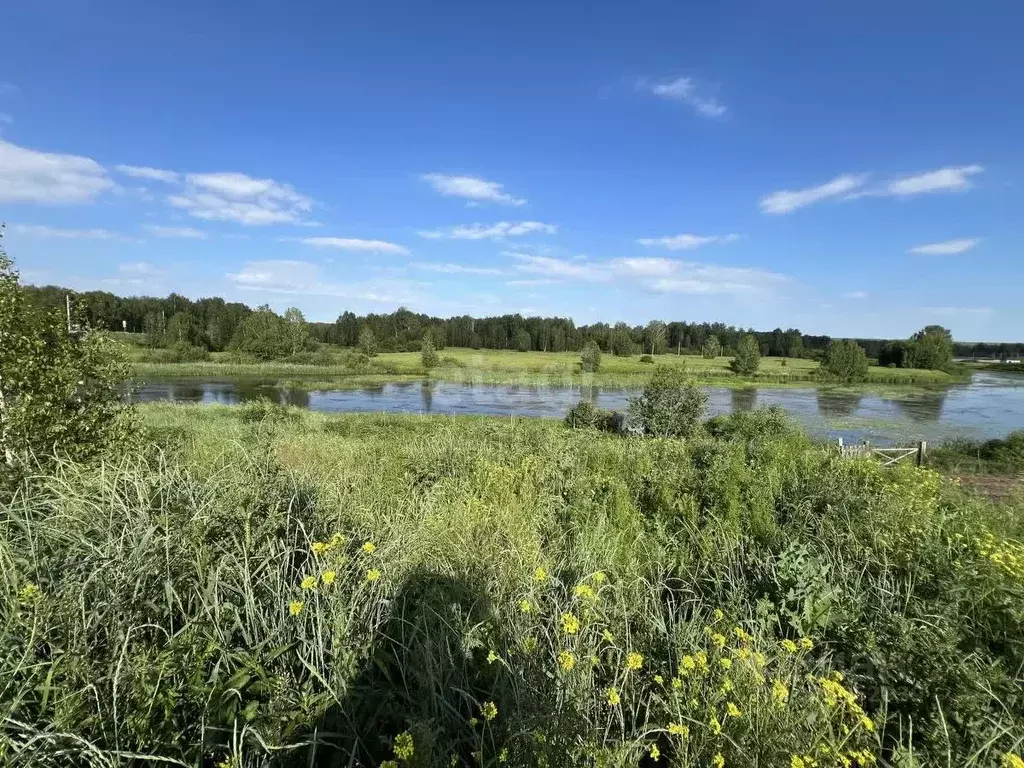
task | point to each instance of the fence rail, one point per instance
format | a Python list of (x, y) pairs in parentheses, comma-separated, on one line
[(889, 456)]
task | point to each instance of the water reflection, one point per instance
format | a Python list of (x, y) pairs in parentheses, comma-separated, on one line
[(838, 405), (990, 406)]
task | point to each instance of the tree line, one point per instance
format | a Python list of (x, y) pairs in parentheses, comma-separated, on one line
[(213, 324)]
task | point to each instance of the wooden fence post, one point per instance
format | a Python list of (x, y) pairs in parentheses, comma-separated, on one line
[(922, 446)]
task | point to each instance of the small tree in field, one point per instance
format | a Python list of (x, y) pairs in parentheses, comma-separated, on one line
[(367, 342), (845, 360), (59, 390), (298, 330), (263, 335), (523, 340), (711, 349), (670, 406), (590, 357), (932, 347), (428, 355), (748, 357)]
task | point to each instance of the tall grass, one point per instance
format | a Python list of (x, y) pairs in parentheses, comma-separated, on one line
[(533, 595)]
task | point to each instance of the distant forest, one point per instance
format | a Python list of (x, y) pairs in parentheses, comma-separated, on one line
[(212, 322)]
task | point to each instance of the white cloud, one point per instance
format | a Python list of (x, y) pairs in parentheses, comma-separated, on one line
[(646, 267), (855, 295), (942, 180), (187, 233), (946, 248), (532, 282), (687, 91), (492, 231), (231, 196), (353, 244), (711, 279), (305, 278), (687, 242), (788, 200), (471, 188), (6, 119), (560, 268), (459, 269), (139, 268), (151, 174), (29, 176), (57, 233), (8, 88)]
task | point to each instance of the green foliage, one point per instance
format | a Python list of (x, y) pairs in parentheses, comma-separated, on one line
[(539, 595), (299, 337), (59, 391), (845, 361), (654, 336), (187, 353), (183, 331), (646, 359), (367, 342), (1003, 456), (586, 415), (758, 424), (524, 343), (711, 348), (932, 348), (428, 355), (590, 358), (748, 357), (263, 335), (670, 406)]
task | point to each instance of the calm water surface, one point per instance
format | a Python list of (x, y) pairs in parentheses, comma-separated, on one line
[(991, 405)]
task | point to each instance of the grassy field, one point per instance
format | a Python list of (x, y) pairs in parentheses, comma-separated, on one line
[(257, 586), (530, 369)]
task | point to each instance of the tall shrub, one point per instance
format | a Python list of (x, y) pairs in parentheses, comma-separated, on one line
[(748, 357), (845, 360), (670, 406)]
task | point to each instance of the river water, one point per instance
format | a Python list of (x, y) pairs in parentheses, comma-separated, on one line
[(991, 405)]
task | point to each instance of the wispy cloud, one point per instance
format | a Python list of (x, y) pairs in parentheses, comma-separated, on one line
[(232, 196), (686, 242), (458, 269), (854, 295), (788, 200), (6, 119), (686, 90), (850, 186), (472, 188), (185, 233), (946, 248), (656, 274), (355, 244), (57, 233), (30, 176), (533, 282), (139, 268), (496, 231), (306, 278), (150, 174), (943, 180)]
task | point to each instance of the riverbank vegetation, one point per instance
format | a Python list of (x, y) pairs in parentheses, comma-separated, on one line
[(262, 585)]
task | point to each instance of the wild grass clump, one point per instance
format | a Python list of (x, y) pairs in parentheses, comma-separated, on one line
[(353, 590), (1002, 456)]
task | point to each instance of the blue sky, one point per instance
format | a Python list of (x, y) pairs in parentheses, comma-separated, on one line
[(850, 169)]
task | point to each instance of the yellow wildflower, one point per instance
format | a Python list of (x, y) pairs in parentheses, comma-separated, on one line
[(529, 644), (525, 606), (319, 547), (718, 639), (797, 762), (567, 660), (659, 679), (489, 710), (1011, 761), (369, 547), (404, 747), (743, 654), (702, 660), (608, 636), (655, 753), (599, 578), (491, 656), (634, 661), (373, 575), (612, 694), (585, 592), (570, 624), (474, 722), (503, 755), (594, 661), (677, 683), (789, 646), (337, 540), (726, 662), (759, 659), (678, 729), (295, 607), (741, 634), (727, 684), (718, 615), (718, 761), (806, 644), (869, 724), (689, 664), (309, 582), (328, 577), (715, 724), (732, 710), (389, 764), (540, 575), (780, 693)]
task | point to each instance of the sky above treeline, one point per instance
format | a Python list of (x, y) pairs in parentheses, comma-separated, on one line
[(848, 169)]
